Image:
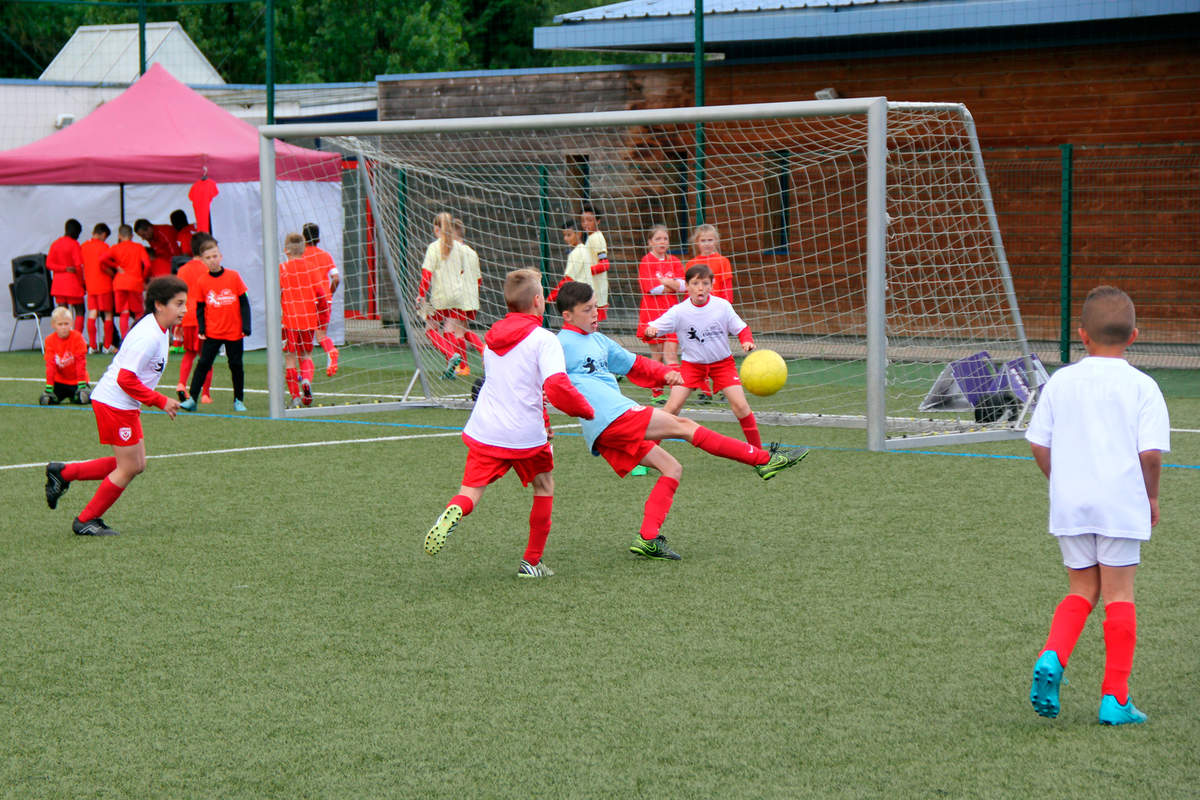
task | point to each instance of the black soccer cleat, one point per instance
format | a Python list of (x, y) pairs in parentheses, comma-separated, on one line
[(93, 527), (56, 484)]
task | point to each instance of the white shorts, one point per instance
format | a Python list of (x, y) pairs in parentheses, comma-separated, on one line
[(1084, 550)]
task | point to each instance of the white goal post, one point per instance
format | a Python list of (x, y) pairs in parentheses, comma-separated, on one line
[(862, 236)]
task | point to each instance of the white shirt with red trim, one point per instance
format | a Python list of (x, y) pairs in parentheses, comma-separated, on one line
[(703, 331), (144, 353), (508, 412)]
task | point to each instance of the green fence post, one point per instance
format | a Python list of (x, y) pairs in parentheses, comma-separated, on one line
[(544, 225), (401, 233), (1064, 340), (141, 37), (698, 76), (270, 46)]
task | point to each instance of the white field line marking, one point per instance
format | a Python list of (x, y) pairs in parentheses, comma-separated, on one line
[(256, 391), (275, 447)]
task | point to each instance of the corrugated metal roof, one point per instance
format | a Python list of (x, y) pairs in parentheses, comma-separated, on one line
[(640, 9), (109, 54)]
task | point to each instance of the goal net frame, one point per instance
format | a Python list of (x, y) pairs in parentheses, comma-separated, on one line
[(874, 109)]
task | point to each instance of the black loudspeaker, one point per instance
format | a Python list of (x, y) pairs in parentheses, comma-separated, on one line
[(31, 285), (177, 262)]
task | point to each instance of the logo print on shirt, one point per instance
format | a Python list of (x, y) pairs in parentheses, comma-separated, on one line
[(693, 335), (160, 364), (223, 298), (589, 366)]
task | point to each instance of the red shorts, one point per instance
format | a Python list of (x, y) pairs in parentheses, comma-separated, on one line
[(623, 443), (100, 302), (723, 373), (124, 300), (191, 338), (298, 341), (443, 314), (641, 334), (67, 301), (119, 426), (486, 464)]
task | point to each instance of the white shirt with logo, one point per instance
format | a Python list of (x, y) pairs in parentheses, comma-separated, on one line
[(703, 331), (1096, 416), (144, 353)]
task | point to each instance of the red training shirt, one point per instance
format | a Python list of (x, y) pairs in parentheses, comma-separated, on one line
[(190, 273), (63, 255), (222, 309), (132, 265), (96, 279), (722, 284), (302, 294), (66, 359)]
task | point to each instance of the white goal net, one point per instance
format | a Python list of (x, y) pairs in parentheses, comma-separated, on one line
[(861, 239)]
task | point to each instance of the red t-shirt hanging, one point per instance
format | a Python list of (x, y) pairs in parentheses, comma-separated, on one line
[(201, 194), (222, 310), (63, 255)]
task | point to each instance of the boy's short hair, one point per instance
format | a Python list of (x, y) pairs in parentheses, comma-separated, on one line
[(311, 233), (571, 294), (521, 288), (160, 290), (179, 218), (588, 209), (570, 225), (72, 228), (198, 240), (208, 243), (293, 245), (1108, 315), (100, 227), (61, 313), (124, 230), (698, 271), (141, 223)]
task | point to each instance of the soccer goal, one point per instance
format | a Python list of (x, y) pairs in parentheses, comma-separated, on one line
[(861, 233)]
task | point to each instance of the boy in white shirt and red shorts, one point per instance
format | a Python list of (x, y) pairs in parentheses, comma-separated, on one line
[(1098, 434), (128, 382), (508, 426), (703, 324)]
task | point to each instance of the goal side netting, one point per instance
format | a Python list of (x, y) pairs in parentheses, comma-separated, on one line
[(861, 238)]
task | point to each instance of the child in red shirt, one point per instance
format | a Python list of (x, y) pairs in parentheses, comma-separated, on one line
[(660, 277), (323, 269), (66, 362), (304, 303), (129, 260), (190, 274), (222, 318), (162, 242), (97, 280), (705, 241), (66, 263)]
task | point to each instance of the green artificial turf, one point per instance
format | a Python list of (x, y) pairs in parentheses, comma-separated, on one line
[(267, 624)]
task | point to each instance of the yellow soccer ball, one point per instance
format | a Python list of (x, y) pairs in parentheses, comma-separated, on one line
[(763, 372)]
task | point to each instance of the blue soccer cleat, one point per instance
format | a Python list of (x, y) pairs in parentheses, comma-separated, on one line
[(1113, 713), (188, 405), (1047, 675)]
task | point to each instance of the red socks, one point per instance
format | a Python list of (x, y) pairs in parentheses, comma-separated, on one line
[(89, 470), (539, 527), (718, 445), (124, 324), (108, 332), (185, 366), (1068, 622), (293, 382), (307, 369), (326, 344), (750, 429), (463, 502), (1120, 637), (658, 505), (102, 500), (91, 329), (440, 343)]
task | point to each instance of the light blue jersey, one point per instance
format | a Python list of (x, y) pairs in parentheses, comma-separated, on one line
[(592, 361)]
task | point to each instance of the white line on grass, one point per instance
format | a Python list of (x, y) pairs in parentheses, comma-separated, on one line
[(274, 447)]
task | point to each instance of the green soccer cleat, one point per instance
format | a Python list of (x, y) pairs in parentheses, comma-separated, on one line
[(1113, 713), (451, 365), (1043, 691), (653, 548), (538, 570), (445, 525), (781, 459)]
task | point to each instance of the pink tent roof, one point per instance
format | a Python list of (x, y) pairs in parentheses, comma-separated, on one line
[(157, 131)]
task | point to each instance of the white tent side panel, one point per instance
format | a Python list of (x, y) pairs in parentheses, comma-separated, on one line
[(34, 217)]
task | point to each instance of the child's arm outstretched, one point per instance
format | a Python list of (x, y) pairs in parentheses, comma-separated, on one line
[(1151, 470)]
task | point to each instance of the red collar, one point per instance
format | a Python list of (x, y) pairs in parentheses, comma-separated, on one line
[(569, 327)]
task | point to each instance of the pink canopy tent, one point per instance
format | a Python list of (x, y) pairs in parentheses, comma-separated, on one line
[(157, 131)]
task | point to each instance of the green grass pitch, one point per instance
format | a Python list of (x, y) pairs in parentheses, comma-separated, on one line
[(267, 624)]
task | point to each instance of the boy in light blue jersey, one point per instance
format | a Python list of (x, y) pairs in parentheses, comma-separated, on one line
[(626, 434)]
